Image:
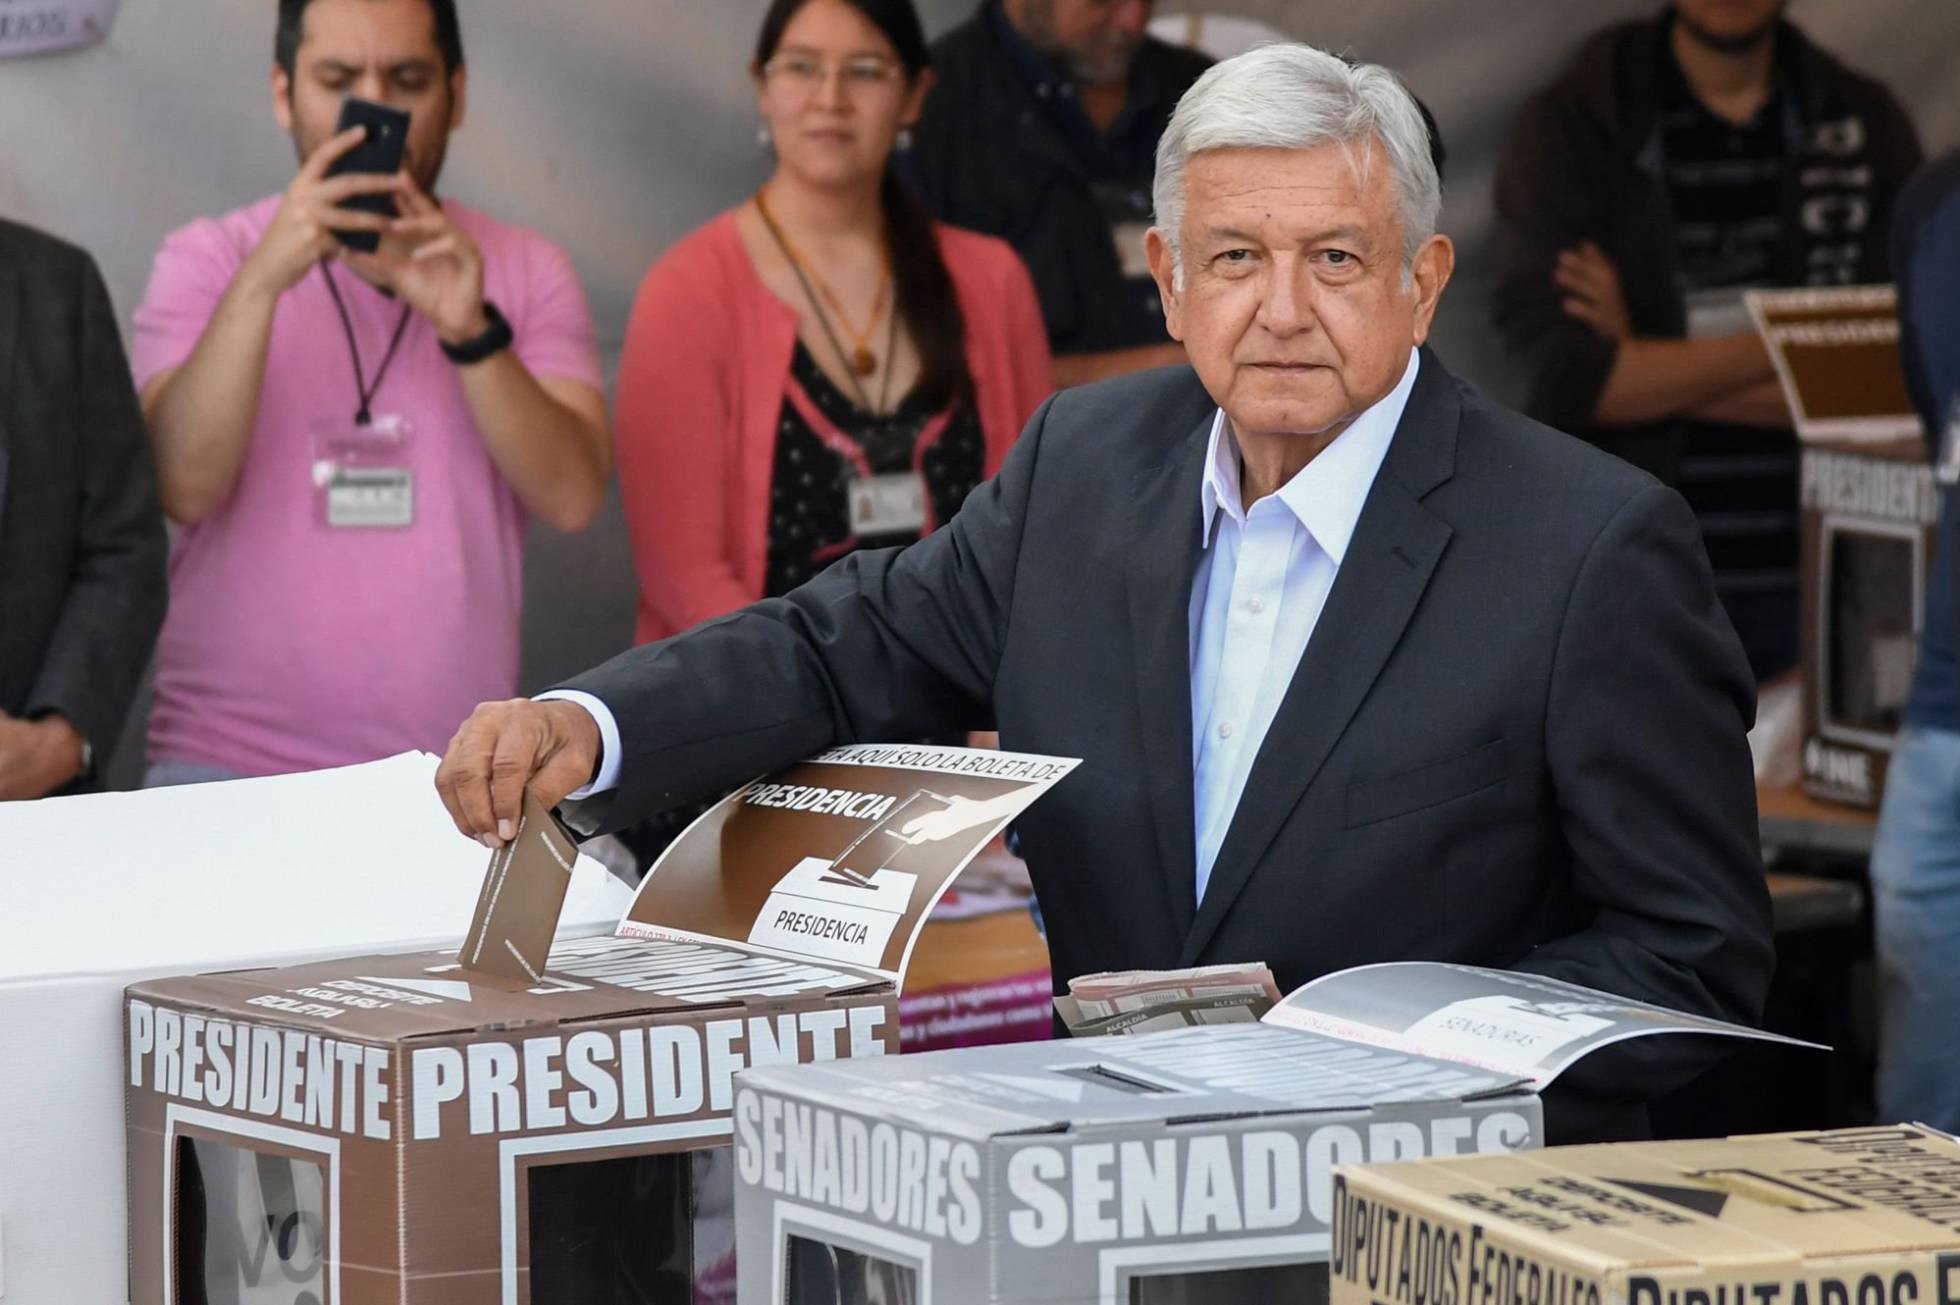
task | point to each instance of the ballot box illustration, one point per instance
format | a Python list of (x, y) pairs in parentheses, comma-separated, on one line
[(494, 1123), (1869, 502), (1188, 1167), (1864, 1216), (107, 889)]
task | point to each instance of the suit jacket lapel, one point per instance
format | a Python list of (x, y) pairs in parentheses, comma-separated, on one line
[(10, 308), (1167, 521), (1396, 545)]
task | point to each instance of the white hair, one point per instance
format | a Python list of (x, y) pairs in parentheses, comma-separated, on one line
[(1292, 96)]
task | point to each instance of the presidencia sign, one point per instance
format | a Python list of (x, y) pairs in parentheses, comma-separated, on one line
[(42, 26), (840, 858)]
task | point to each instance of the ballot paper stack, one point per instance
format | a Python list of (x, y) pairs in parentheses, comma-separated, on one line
[(1151, 1001)]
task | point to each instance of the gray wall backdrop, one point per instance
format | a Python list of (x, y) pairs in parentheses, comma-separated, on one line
[(615, 126)]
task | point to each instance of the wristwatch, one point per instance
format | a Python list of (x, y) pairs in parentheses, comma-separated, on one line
[(495, 339)]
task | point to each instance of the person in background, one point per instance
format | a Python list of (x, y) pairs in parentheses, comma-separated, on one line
[(1042, 129), (822, 367), (1677, 162), (81, 534), (1915, 863), (354, 443)]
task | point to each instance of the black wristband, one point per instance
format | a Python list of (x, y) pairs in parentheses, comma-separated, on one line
[(494, 340)]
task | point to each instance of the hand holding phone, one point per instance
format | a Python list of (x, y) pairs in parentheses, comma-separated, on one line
[(380, 152), (313, 209)]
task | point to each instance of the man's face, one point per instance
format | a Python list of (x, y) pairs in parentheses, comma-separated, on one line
[(1293, 308), (1097, 38), (380, 50), (1732, 26)]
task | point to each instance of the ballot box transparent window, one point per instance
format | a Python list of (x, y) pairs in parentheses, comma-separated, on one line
[(1869, 622), (1296, 1284), (628, 1229), (819, 1272), (250, 1226)]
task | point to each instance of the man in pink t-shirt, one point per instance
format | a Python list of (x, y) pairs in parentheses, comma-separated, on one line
[(353, 442)]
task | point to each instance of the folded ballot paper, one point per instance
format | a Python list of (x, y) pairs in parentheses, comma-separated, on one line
[(1150, 1001)]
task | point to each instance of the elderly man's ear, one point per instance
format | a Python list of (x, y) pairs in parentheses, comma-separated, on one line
[(1157, 251), (1430, 272)]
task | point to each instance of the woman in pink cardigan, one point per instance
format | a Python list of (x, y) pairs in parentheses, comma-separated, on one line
[(824, 367)]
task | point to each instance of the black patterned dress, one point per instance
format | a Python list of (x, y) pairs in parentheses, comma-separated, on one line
[(823, 440)]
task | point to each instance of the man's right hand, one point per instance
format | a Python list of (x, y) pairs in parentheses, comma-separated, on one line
[(550, 748), (301, 232)]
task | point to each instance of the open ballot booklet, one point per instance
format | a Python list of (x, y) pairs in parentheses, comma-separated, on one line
[(1522, 1026)]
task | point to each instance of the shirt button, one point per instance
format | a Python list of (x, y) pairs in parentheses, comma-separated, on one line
[(1224, 729), (1257, 604)]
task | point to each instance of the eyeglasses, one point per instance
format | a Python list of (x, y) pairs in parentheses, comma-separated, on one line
[(805, 72)]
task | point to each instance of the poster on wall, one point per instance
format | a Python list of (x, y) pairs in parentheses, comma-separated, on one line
[(42, 26)]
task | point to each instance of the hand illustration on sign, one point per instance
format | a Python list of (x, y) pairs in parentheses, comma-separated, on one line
[(956, 817)]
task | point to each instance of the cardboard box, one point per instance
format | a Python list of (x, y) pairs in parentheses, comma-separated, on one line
[(108, 889), (496, 1126), (1865, 1216), (1869, 504), (429, 1135), (1176, 1168)]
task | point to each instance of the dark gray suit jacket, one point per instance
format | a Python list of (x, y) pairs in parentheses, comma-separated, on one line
[(82, 544), (1516, 739)]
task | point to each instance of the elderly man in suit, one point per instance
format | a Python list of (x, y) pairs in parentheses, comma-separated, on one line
[(1362, 667), (82, 542)]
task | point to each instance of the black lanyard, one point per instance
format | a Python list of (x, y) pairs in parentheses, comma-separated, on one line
[(365, 391)]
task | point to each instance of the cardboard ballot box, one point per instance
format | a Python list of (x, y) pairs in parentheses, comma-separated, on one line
[(386, 1128), (498, 1125), (1869, 505), (107, 889), (1867, 1216), (1175, 1168)]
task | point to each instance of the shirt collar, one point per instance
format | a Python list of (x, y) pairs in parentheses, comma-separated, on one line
[(1051, 82), (1035, 68), (1325, 495)]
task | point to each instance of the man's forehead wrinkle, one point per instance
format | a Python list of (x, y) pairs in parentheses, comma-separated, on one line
[(1282, 192)]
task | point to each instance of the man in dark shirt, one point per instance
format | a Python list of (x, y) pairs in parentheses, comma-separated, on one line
[(1042, 129), (1916, 857), (1678, 162), (82, 545)]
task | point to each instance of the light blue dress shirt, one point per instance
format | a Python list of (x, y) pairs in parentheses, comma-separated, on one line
[(1257, 597), (1254, 604)]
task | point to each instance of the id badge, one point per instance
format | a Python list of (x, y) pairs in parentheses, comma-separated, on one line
[(362, 476), (892, 504)]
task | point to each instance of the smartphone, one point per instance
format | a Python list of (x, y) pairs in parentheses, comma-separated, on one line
[(380, 150)]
